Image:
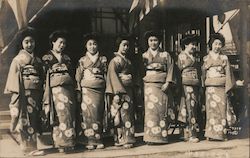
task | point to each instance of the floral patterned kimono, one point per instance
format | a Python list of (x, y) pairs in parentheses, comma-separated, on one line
[(25, 82), (60, 97), (119, 86), (190, 92), (218, 80), (158, 105), (90, 77)]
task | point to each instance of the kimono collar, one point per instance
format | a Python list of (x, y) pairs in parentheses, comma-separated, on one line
[(57, 55), (93, 58), (123, 56), (154, 52), (28, 53), (213, 55), (190, 55)]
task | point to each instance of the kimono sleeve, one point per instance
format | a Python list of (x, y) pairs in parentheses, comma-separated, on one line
[(230, 80), (170, 72), (113, 83), (13, 79)]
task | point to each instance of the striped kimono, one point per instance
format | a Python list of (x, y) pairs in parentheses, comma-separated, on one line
[(24, 83), (59, 96), (90, 77), (119, 86), (158, 104), (190, 93), (218, 80)]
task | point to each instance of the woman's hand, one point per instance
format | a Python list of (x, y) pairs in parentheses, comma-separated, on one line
[(165, 87)]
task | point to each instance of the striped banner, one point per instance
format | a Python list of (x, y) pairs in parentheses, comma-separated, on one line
[(139, 9)]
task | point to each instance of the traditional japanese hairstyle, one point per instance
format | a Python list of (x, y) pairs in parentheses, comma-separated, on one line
[(57, 34), (90, 36), (28, 31), (215, 36), (120, 38), (188, 39), (153, 33)]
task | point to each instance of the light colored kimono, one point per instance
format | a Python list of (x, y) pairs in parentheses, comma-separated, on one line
[(24, 83)]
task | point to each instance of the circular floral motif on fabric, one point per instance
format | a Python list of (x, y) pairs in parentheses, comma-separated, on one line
[(68, 133), (150, 105), (156, 130), (95, 126), (148, 91), (162, 123), (216, 98), (132, 130), (83, 125), (164, 133), (153, 98), (192, 102), (97, 136), (60, 106), (87, 99), (212, 121), (193, 121), (84, 106), (62, 126), (127, 124), (213, 104), (30, 130), (31, 101), (210, 90), (56, 90), (84, 90), (150, 123), (189, 89), (223, 122), (14, 111), (125, 105), (29, 109), (63, 98), (183, 112)]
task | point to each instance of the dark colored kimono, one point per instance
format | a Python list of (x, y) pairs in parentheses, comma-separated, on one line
[(119, 86), (158, 104), (190, 93), (25, 82), (218, 80), (59, 95), (90, 77)]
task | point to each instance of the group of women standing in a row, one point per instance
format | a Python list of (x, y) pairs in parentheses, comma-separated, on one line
[(50, 85)]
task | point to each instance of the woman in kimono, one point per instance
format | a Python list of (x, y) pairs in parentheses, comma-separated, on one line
[(90, 77), (159, 76), (24, 83), (218, 81), (119, 88), (59, 96), (190, 74)]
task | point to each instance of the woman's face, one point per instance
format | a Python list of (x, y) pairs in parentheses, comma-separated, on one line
[(216, 46), (91, 46), (191, 47), (59, 45), (28, 44), (123, 47), (153, 42)]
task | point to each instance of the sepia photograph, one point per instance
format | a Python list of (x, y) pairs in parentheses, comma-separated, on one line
[(124, 78)]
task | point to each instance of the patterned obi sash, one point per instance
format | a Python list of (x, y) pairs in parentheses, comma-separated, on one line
[(31, 78), (190, 76), (93, 78), (215, 76), (157, 67), (126, 79), (59, 75)]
